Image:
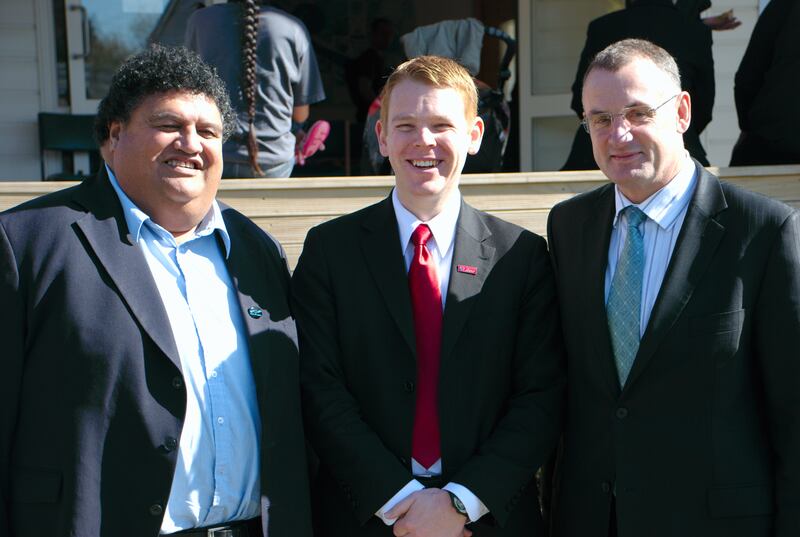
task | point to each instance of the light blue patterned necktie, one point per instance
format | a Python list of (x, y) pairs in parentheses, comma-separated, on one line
[(625, 297)]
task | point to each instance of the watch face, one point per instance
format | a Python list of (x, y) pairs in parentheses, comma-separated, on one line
[(458, 504)]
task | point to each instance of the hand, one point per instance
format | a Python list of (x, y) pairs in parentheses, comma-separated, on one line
[(428, 513), (723, 21), (299, 136)]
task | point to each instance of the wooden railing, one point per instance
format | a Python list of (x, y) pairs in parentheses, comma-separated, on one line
[(287, 208)]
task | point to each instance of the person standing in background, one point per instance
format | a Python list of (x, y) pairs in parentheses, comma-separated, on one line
[(766, 85), (265, 57), (681, 34)]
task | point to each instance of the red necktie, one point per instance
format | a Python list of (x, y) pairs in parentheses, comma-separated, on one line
[(426, 300)]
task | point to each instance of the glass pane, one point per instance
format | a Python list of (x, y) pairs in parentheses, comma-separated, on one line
[(119, 28)]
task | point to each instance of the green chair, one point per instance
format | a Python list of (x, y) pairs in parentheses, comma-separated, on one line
[(70, 134)]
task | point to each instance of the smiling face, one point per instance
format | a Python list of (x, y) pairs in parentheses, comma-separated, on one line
[(639, 159), (168, 157), (427, 136)]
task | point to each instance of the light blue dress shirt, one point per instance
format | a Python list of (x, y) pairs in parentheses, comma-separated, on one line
[(217, 475), (665, 210)]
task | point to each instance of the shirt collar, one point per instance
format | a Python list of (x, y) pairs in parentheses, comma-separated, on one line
[(664, 206), (443, 225), (135, 218)]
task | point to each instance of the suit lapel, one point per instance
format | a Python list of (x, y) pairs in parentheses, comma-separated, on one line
[(694, 249), (106, 233), (384, 258), (264, 315), (472, 249), (596, 239)]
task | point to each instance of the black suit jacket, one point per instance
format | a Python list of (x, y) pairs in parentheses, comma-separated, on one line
[(92, 398), (684, 36), (500, 385), (704, 440)]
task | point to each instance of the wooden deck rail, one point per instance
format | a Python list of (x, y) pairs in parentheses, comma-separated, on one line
[(287, 208)]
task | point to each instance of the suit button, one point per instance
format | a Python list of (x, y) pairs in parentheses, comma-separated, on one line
[(622, 413), (605, 486), (177, 382), (409, 386), (156, 509), (170, 443)]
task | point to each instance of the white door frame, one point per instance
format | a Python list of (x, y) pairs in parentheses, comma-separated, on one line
[(532, 106)]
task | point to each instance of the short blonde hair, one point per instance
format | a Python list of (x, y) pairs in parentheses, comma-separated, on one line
[(434, 71)]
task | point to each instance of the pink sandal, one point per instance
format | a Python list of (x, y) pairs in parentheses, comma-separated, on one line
[(313, 142)]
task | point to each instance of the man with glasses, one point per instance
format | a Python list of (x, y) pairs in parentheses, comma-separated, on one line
[(680, 304)]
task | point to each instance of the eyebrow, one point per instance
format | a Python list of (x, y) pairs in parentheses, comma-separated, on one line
[(158, 116), (631, 105), (410, 117)]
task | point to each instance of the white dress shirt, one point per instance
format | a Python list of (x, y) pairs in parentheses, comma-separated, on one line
[(665, 210), (440, 246)]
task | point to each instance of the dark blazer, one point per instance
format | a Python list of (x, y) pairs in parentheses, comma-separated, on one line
[(500, 386), (92, 397), (766, 86), (685, 37), (704, 440)]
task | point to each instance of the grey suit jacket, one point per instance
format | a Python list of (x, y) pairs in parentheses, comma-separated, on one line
[(704, 439), (92, 399)]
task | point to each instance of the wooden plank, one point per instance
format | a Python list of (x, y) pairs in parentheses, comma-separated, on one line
[(288, 208)]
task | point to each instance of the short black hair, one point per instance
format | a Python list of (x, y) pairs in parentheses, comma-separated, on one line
[(155, 70)]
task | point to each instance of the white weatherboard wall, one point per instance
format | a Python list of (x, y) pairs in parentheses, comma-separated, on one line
[(21, 95)]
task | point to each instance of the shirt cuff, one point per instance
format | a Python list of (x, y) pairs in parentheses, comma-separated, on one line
[(475, 507), (411, 486)]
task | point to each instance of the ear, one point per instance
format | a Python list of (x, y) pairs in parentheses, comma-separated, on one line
[(113, 134), (684, 111), (475, 135), (382, 145)]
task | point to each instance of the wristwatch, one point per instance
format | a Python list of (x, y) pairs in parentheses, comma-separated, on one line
[(458, 505)]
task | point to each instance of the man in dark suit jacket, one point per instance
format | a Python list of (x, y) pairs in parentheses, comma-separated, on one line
[(683, 35), (698, 435), (495, 388), (107, 429), (765, 87)]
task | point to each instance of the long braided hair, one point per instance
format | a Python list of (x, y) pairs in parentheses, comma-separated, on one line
[(249, 13)]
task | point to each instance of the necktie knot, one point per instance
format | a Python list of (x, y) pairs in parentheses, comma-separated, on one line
[(421, 235), (635, 216)]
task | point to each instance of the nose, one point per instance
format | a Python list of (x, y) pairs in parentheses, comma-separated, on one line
[(189, 141), (425, 137), (620, 127)]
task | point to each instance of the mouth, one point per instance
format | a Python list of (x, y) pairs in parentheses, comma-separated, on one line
[(425, 164), (624, 156), (175, 163)]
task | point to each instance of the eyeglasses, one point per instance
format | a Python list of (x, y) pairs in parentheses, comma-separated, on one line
[(634, 116)]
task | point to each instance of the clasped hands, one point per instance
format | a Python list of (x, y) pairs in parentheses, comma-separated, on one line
[(428, 513)]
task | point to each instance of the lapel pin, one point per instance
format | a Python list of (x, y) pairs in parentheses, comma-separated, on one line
[(467, 269), (254, 312)]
